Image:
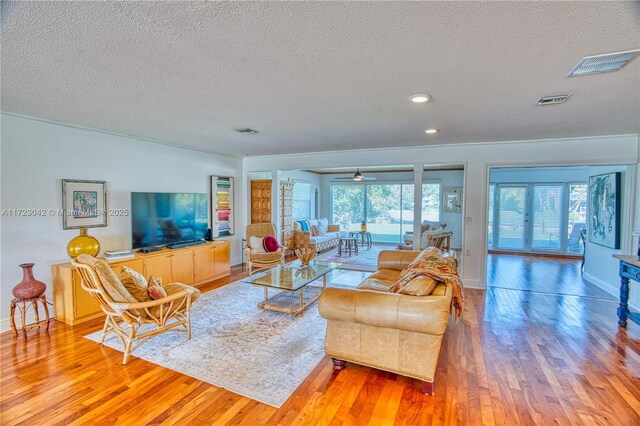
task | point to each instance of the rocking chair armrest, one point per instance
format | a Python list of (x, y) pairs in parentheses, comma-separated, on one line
[(151, 303)]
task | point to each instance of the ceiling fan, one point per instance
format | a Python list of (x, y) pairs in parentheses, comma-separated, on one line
[(357, 177)]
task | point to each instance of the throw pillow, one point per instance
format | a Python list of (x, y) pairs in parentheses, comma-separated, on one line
[(318, 230), (135, 283), (420, 286), (256, 245), (270, 244), (156, 291), (324, 223)]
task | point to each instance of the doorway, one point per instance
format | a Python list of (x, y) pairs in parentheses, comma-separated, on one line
[(537, 217)]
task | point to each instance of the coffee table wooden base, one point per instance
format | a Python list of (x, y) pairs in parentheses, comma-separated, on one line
[(292, 302)]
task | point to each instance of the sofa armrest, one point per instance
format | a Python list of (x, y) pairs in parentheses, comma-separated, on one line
[(420, 314)]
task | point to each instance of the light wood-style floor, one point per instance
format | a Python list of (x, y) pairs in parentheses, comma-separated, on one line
[(517, 357)]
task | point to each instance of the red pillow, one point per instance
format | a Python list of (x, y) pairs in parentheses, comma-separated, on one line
[(270, 244)]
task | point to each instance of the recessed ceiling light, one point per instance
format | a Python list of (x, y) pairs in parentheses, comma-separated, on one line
[(431, 131), (420, 98)]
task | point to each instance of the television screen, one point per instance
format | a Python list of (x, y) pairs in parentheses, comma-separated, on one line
[(159, 218)]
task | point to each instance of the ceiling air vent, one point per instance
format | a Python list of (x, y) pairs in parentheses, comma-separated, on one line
[(603, 63), (247, 131), (552, 100)]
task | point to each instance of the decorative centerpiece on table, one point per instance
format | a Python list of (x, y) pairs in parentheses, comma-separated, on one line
[(305, 255)]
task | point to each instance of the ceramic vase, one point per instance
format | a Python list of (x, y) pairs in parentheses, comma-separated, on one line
[(29, 287)]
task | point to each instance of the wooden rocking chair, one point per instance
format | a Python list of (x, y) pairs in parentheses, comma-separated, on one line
[(125, 315)]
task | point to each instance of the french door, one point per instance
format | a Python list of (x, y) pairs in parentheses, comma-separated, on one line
[(536, 217)]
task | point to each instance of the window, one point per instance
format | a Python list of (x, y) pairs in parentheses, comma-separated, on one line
[(386, 207), (430, 202), (301, 201)]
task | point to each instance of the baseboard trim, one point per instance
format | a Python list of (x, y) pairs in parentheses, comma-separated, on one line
[(5, 324), (472, 283), (612, 290), (520, 253)]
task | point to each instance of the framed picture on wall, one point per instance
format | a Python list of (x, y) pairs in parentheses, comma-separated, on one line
[(84, 204), (452, 196), (604, 210)]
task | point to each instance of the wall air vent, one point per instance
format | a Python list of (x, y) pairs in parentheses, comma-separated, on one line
[(552, 100), (246, 131), (603, 63)]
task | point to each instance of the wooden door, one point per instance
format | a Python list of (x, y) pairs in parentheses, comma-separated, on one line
[(261, 201), (159, 266), (182, 266), (222, 259), (203, 263)]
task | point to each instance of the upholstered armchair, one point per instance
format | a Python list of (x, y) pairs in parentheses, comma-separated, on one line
[(256, 258), (125, 314)]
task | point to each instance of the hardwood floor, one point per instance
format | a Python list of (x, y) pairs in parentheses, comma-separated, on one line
[(517, 357), (540, 274)]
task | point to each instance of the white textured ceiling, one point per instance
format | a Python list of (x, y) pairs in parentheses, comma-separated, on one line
[(320, 76)]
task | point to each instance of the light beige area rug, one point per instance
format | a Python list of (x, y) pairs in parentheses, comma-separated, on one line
[(260, 354)]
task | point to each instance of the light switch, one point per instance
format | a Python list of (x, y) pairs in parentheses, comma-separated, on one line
[(467, 220)]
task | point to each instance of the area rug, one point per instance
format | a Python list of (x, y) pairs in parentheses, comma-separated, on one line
[(260, 354), (365, 260)]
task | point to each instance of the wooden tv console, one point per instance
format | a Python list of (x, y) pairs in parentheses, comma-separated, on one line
[(192, 265)]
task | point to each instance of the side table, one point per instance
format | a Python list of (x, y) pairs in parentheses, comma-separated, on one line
[(23, 306), (347, 245), (365, 238)]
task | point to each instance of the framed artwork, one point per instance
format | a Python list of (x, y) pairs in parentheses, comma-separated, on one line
[(452, 196), (604, 210), (84, 204)]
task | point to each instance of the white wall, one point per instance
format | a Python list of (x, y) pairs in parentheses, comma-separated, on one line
[(312, 178), (444, 177), (540, 175), (600, 268), (36, 155), (477, 158)]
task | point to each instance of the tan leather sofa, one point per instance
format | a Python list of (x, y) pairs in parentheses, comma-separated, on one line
[(388, 331)]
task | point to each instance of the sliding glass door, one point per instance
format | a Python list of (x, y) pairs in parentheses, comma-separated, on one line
[(383, 212), (547, 217), (512, 217), (537, 217), (386, 207)]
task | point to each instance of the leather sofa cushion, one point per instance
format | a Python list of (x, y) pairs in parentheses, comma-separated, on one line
[(420, 286), (382, 280), (440, 290), (394, 259)]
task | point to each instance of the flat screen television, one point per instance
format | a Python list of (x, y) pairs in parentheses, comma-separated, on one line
[(160, 218)]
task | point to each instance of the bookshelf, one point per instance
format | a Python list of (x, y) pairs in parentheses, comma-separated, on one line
[(222, 206)]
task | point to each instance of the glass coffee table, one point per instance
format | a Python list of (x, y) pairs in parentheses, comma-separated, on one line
[(293, 280)]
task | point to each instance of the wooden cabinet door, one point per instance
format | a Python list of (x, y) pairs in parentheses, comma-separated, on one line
[(84, 303), (221, 259), (182, 266), (135, 264), (203, 263), (158, 266)]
